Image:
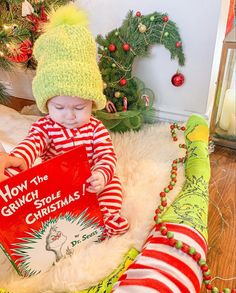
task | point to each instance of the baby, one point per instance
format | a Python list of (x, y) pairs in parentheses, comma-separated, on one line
[(67, 87)]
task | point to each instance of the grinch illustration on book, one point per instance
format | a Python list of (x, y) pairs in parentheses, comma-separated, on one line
[(54, 242)]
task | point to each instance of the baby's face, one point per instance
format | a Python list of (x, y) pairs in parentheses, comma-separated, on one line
[(71, 112)]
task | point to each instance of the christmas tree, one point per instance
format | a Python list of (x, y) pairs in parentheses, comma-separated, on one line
[(129, 103), (20, 25)]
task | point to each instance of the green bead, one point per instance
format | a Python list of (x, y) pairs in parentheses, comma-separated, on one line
[(207, 281), (105, 48), (163, 199), (152, 18), (173, 176), (113, 65), (116, 33), (159, 220), (174, 165), (179, 244), (226, 290), (172, 183), (191, 250), (166, 190), (207, 273), (170, 234), (202, 262), (166, 34), (161, 208), (214, 290), (163, 228)]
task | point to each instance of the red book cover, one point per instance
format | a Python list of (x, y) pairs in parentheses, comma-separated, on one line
[(46, 212)]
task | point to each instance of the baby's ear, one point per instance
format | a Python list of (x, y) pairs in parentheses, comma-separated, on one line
[(94, 107)]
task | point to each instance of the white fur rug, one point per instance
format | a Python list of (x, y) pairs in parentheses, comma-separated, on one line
[(144, 160)]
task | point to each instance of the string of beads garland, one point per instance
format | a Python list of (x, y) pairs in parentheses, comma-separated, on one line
[(184, 247)]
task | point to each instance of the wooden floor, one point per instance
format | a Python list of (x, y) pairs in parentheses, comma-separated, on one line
[(222, 218)]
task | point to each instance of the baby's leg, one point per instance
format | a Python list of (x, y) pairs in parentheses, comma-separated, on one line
[(110, 201)]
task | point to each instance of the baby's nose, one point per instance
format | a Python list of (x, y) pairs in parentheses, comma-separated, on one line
[(70, 114)]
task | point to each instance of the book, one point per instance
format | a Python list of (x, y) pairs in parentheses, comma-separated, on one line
[(46, 212)]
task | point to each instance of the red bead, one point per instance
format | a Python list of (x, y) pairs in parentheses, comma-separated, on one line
[(170, 187), (178, 44), (233, 291), (172, 126), (209, 287), (164, 232), (126, 47), (175, 138), (112, 48), (174, 168), (207, 277), (183, 128), (123, 82), (174, 179), (138, 13), (185, 248), (197, 256), (158, 211), (162, 194), (164, 203), (172, 241), (204, 268), (175, 162), (155, 218), (165, 18)]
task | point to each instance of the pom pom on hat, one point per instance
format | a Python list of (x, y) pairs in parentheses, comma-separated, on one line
[(67, 15), (67, 65)]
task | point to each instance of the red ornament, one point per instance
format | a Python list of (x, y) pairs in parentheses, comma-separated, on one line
[(112, 47), (165, 18), (178, 44), (126, 47), (21, 53), (177, 79), (123, 82), (38, 21), (138, 13)]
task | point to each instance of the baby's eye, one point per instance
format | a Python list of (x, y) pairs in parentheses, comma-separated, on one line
[(59, 107), (79, 108)]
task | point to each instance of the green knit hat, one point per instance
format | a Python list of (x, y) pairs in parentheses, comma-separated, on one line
[(66, 55)]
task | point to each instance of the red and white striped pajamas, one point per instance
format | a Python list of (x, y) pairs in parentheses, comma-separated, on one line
[(163, 268), (47, 139)]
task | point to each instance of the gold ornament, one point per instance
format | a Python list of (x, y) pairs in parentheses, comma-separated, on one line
[(117, 94), (142, 28)]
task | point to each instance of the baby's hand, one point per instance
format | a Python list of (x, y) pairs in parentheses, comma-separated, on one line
[(97, 182), (7, 161)]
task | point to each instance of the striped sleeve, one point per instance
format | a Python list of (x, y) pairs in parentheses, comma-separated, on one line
[(34, 145), (104, 156)]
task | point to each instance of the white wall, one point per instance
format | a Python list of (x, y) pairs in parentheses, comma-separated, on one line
[(201, 24)]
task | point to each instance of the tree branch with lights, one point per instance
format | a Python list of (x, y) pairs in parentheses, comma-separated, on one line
[(20, 25)]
